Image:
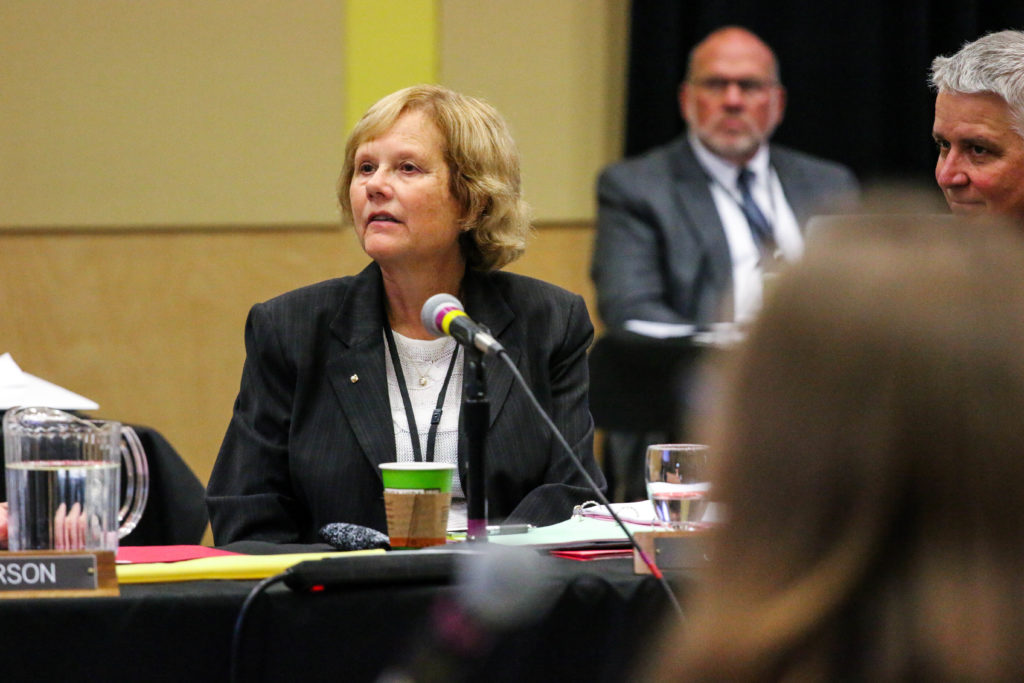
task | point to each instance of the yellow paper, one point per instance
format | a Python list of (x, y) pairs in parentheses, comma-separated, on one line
[(237, 567)]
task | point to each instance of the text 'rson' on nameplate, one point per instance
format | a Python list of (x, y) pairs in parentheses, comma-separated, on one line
[(56, 574)]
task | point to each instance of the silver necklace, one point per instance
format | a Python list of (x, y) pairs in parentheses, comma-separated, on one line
[(423, 371), (423, 375)]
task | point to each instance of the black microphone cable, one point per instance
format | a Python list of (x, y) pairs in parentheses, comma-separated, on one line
[(444, 315), (593, 485), (235, 662)]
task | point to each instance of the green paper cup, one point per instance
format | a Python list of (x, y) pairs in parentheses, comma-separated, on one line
[(417, 497), (429, 476)]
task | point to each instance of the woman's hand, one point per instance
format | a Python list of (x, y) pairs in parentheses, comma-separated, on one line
[(69, 528)]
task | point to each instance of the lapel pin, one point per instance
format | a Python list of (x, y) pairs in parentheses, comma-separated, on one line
[(353, 379)]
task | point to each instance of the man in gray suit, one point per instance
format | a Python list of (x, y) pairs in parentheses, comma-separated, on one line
[(680, 239), (683, 237)]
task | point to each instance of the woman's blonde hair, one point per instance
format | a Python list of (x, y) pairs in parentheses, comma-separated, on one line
[(483, 166)]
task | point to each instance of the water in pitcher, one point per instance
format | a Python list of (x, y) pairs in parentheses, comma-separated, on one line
[(69, 505)]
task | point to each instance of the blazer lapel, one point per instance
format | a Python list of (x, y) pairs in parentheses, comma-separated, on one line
[(485, 305), (799, 189), (357, 371), (700, 216)]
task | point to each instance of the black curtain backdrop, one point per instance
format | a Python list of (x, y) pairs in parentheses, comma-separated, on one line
[(855, 72)]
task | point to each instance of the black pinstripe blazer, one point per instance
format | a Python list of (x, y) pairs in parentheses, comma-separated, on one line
[(312, 419)]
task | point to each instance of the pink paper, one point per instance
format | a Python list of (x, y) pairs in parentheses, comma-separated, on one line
[(141, 554), (593, 554)]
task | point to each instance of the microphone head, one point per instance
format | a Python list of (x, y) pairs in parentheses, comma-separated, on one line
[(434, 310), (503, 587), (344, 536)]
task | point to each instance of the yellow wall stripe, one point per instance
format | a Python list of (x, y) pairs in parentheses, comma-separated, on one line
[(389, 44)]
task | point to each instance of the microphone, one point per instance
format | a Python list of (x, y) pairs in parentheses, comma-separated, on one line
[(344, 536), (378, 569), (501, 590), (443, 315)]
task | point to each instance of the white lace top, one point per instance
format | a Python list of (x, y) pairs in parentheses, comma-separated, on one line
[(424, 366)]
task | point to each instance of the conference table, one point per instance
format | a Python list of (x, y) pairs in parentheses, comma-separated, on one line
[(597, 621)]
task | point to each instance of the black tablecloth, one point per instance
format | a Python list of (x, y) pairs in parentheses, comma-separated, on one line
[(601, 618)]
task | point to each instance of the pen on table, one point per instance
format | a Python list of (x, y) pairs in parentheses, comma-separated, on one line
[(508, 529)]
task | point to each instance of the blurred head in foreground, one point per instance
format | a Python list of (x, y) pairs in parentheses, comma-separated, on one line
[(871, 441)]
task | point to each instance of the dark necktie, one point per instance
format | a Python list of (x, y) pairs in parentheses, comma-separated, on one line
[(759, 225)]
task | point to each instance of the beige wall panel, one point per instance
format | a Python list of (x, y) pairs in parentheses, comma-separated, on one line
[(561, 254), (127, 113), (149, 324), (555, 69)]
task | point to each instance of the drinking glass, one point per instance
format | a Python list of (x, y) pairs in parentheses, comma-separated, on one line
[(677, 484)]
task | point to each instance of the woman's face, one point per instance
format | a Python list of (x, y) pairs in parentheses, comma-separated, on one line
[(403, 211)]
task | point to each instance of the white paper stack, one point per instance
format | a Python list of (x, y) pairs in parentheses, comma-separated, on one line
[(18, 388)]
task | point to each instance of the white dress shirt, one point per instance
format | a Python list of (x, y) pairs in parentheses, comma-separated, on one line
[(747, 274)]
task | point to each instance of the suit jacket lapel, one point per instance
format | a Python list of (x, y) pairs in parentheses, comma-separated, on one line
[(700, 215), (357, 371), (485, 304), (799, 189)]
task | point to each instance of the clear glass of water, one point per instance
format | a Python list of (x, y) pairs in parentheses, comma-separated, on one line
[(677, 484)]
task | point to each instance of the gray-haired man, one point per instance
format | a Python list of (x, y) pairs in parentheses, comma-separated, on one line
[(979, 125)]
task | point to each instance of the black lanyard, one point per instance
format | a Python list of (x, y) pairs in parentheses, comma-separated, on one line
[(435, 419)]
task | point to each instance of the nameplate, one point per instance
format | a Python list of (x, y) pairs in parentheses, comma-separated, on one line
[(55, 574), (671, 550)]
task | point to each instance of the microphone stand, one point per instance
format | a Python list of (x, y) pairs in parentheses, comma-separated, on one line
[(476, 413)]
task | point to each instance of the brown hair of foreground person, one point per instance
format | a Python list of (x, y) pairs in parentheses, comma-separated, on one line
[(871, 435)]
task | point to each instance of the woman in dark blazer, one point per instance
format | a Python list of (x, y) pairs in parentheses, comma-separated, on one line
[(431, 185)]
